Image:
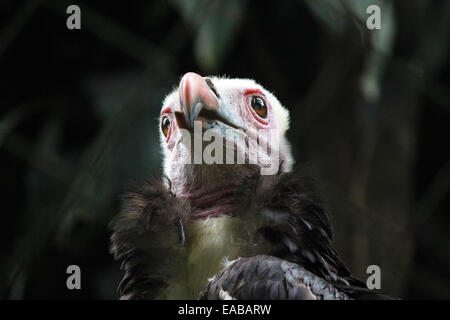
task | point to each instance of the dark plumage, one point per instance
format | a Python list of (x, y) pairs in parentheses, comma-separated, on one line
[(148, 239), (268, 278), (290, 249)]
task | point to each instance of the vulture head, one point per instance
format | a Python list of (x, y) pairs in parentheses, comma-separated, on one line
[(216, 131)]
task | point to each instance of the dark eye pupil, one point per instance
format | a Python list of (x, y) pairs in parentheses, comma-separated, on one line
[(165, 125), (257, 103)]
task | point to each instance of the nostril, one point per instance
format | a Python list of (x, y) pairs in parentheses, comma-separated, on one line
[(212, 87)]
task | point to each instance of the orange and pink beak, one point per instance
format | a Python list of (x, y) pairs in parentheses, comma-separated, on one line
[(199, 94)]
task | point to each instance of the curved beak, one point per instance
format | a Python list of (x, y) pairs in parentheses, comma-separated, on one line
[(198, 94)]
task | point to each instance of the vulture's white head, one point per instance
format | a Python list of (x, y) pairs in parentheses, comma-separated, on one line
[(214, 133)]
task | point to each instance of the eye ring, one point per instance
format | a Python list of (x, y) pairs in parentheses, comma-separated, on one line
[(259, 106), (165, 125)]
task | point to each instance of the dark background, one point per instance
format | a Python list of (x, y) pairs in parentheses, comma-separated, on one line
[(370, 114)]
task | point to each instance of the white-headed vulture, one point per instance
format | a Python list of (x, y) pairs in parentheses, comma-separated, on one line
[(227, 229)]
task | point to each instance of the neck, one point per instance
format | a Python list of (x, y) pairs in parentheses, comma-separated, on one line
[(213, 203), (212, 191)]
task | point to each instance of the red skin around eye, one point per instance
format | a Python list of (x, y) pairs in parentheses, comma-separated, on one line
[(260, 122), (253, 91), (166, 110)]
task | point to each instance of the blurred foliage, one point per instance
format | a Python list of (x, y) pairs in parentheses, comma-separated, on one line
[(215, 23), (369, 111)]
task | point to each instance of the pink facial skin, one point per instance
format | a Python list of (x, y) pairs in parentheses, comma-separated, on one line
[(240, 104), (209, 188)]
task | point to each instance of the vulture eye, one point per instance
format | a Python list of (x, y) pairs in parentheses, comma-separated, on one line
[(259, 106), (165, 126)]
